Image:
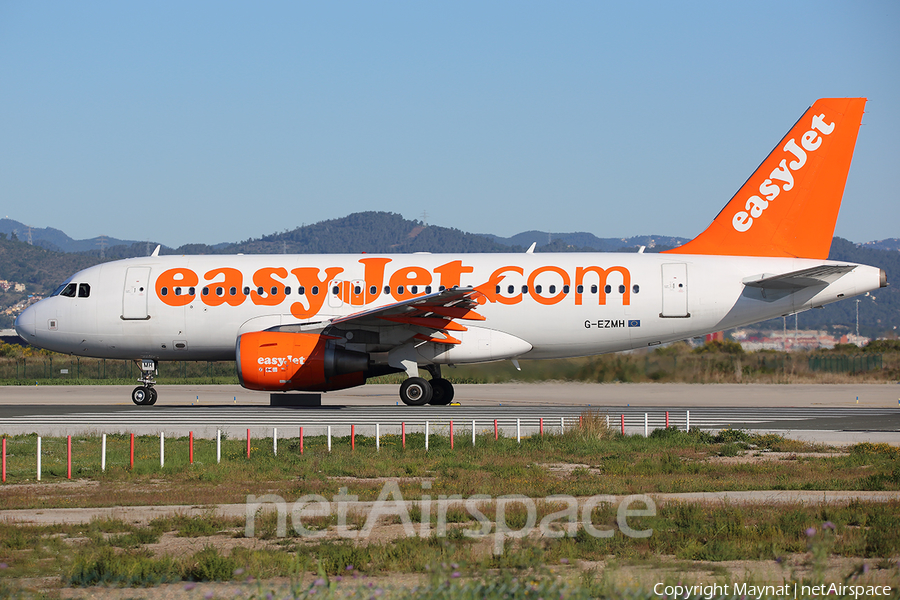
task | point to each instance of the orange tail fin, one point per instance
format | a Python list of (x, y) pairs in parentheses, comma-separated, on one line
[(790, 204)]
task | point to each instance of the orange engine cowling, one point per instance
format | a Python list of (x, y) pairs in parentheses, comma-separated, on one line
[(281, 361)]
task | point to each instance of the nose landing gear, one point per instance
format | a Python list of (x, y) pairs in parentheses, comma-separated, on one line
[(145, 394)]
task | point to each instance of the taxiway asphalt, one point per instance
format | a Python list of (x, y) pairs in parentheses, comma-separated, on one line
[(833, 414)]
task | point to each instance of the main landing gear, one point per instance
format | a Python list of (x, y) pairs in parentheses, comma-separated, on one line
[(145, 394), (417, 391)]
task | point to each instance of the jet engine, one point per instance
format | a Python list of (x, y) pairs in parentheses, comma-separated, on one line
[(280, 361)]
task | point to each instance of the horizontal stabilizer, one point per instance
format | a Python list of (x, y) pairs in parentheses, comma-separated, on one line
[(795, 280)]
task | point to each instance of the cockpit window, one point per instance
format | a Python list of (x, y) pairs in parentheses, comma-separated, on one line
[(60, 289), (71, 290)]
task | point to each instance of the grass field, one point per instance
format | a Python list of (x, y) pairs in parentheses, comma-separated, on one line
[(851, 542), (603, 462)]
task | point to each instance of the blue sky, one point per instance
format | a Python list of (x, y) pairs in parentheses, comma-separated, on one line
[(217, 121)]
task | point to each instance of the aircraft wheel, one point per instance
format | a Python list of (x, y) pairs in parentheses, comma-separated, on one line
[(153, 395), (443, 392), (415, 391), (141, 395)]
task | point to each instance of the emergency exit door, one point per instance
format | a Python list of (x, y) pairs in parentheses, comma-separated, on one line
[(674, 291)]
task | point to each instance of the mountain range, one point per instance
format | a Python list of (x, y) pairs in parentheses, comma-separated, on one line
[(54, 239), (52, 256)]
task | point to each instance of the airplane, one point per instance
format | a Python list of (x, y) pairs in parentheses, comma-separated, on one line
[(328, 322)]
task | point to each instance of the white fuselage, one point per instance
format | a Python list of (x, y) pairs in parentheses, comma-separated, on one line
[(626, 301)]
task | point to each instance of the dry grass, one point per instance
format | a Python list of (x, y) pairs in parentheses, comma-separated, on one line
[(810, 541)]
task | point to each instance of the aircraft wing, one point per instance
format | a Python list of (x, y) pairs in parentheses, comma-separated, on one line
[(432, 316), (796, 280)]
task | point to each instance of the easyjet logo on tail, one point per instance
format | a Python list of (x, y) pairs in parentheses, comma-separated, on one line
[(782, 177)]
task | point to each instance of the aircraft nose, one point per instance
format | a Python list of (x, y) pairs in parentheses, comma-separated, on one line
[(25, 324)]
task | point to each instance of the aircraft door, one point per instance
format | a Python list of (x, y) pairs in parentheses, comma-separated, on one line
[(674, 291), (136, 293)]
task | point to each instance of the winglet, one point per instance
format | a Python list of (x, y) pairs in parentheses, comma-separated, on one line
[(156, 252), (789, 206), (531, 248)]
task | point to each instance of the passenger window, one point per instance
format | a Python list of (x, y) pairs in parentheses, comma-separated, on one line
[(524, 289), (399, 290), (580, 289), (232, 291), (220, 291), (84, 290), (552, 289), (315, 290), (191, 291), (387, 290), (69, 292), (497, 291), (511, 289), (441, 289), (373, 290), (205, 291), (246, 291), (260, 290), (287, 291), (274, 290), (178, 291), (565, 289), (164, 291), (427, 289), (621, 289), (538, 289), (636, 288), (413, 289), (593, 289), (301, 290), (357, 290), (608, 289)]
